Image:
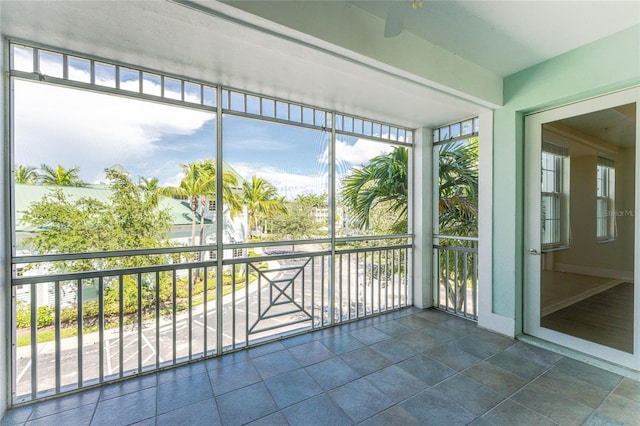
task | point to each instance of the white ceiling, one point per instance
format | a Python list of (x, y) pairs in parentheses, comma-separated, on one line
[(218, 43), (509, 36)]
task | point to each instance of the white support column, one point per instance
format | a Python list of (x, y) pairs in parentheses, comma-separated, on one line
[(486, 318), (421, 211), (5, 344)]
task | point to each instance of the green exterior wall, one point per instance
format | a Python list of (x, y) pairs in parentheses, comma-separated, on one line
[(607, 65)]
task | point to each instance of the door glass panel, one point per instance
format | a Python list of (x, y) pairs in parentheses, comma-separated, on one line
[(587, 226)]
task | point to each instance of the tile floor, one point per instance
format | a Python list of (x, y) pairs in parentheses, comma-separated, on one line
[(410, 367)]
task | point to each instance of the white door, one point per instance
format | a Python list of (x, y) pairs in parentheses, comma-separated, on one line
[(582, 222)]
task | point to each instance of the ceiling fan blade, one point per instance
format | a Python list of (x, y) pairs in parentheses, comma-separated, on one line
[(393, 25)]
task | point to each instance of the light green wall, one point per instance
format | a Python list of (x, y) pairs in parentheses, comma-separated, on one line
[(603, 66)]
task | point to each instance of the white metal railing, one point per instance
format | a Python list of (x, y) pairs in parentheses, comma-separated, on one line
[(455, 271), (104, 325)]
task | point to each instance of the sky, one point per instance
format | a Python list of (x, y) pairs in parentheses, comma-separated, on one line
[(70, 127)]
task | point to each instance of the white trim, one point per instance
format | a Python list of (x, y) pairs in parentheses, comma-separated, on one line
[(498, 324), (531, 263), (486, 318)]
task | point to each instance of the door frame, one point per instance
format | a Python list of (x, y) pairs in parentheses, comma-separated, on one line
[(532, 260)]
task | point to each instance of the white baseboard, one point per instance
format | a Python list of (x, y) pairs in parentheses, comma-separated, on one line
[(578, 297), (614, 274), (497, 323)]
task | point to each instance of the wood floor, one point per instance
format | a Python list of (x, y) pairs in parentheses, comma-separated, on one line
[(605, 318)]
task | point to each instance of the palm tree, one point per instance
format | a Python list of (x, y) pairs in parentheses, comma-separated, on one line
[(261, 199), (60, 176), (199, 186), (151, 189), (26, 175), (192, 185), (458, 188), (382, 182)]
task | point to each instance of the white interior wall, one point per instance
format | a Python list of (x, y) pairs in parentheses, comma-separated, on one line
[(585, 254)]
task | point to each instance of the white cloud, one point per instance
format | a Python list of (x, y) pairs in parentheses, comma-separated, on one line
[(355, 154), (287, 184), (57, 125)]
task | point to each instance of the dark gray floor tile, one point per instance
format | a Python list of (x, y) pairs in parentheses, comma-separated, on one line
[(396, 383), (275, 419), (78, 416), (265, 349), (311, 353), (317, 411), (291, 342), (552, 405), (436, 409), (519, 366), (532, 353), (360, 399), (433, 315), (501, 381), (341, 343), (151, 421), (441, 334), (629, 389), (332, 373), (392, 328), (369, 335), (452, 357), (426, 369), (292, 387), (418, 341), (510, 413), (246, 404), (394, 350), (182, 371), (128, 386), (365, 361), (203, 413), (227, 359), (459, 326), (16, 416), (232, 377), (573, 388), (414, 322), (482, 344), (58, 405), (620, 409), (275, 363), (588, 373), (186, 391), (395, 415), (599, 419), (473, 396), (126, 409)]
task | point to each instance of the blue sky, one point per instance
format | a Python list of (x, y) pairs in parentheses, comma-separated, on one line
[(57, 125)]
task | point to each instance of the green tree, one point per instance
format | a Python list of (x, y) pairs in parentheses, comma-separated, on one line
[(457, 212), (458, 188), (262, 201), (297, 224), (381, 184), (60, 176), (131, 220), (199, 186), (26, 175)]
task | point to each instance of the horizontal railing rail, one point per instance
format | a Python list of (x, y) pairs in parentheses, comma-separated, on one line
[(74, 330), (455, 273)]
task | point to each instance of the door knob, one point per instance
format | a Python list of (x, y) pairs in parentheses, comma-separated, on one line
[(534, 252)]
